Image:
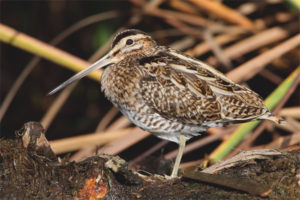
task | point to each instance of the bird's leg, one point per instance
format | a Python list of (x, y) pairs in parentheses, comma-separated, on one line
[(182, 140)]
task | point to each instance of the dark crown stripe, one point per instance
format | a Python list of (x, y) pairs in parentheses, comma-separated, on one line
[(126, 33)]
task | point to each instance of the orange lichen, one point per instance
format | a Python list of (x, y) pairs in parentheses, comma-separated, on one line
[(94, 188)]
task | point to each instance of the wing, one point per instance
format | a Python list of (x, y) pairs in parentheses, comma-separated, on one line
[(182, 88)]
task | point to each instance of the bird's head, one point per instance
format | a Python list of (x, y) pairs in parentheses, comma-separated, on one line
[(129, 43)]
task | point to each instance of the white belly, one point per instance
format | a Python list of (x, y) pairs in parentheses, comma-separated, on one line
[(160, 126)]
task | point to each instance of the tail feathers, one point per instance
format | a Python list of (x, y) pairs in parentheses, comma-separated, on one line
[(275, 118)]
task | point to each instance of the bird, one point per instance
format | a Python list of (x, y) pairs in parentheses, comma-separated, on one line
[(168, 93)]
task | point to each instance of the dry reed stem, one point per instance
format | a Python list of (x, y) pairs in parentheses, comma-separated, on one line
[(77, 142), (184, 28), (281, 142), (119, 124), (271, 76), (191, 164), (84, 23), (187, 18), (249, 69), (206, 35), (182, 44), (216, 49), (148, 152), (224, 12), (163, 33), (183, 6), (204, 47), (56, 105), (15, 87), (153, 4), (290, 112), (247, 8), (125, 142), (251, 43), (107, 119)]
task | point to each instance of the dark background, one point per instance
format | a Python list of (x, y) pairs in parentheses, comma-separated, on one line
[(85, 107)]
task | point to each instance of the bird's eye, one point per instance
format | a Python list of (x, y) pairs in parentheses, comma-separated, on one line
[(129, 41)]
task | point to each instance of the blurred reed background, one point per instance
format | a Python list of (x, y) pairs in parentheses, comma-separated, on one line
[(255, 43)]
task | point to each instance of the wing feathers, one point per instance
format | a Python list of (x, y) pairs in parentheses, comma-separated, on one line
[(194, 92)]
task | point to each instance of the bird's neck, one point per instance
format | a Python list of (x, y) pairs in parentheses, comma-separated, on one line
[(120, 81)]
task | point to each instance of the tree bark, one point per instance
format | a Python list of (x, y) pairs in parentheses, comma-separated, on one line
[(30, 170)]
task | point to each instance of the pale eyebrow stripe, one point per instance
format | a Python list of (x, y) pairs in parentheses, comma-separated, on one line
[(135, 47)]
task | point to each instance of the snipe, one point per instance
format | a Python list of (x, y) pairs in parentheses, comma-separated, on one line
[(168, 93)]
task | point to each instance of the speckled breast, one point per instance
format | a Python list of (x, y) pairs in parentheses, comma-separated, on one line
[(120, 85)]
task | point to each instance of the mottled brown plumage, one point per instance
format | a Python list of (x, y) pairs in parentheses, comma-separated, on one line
[(169, 93)]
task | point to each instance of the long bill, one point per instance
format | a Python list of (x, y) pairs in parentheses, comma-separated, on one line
[(104, 61)]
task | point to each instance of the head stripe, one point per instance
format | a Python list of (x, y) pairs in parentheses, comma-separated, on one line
[(125, 33)]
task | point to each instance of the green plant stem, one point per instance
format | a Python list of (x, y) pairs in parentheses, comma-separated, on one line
[(271, 101), (44, 50)]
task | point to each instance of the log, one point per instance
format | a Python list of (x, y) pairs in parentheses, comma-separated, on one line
[(30, 170)]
